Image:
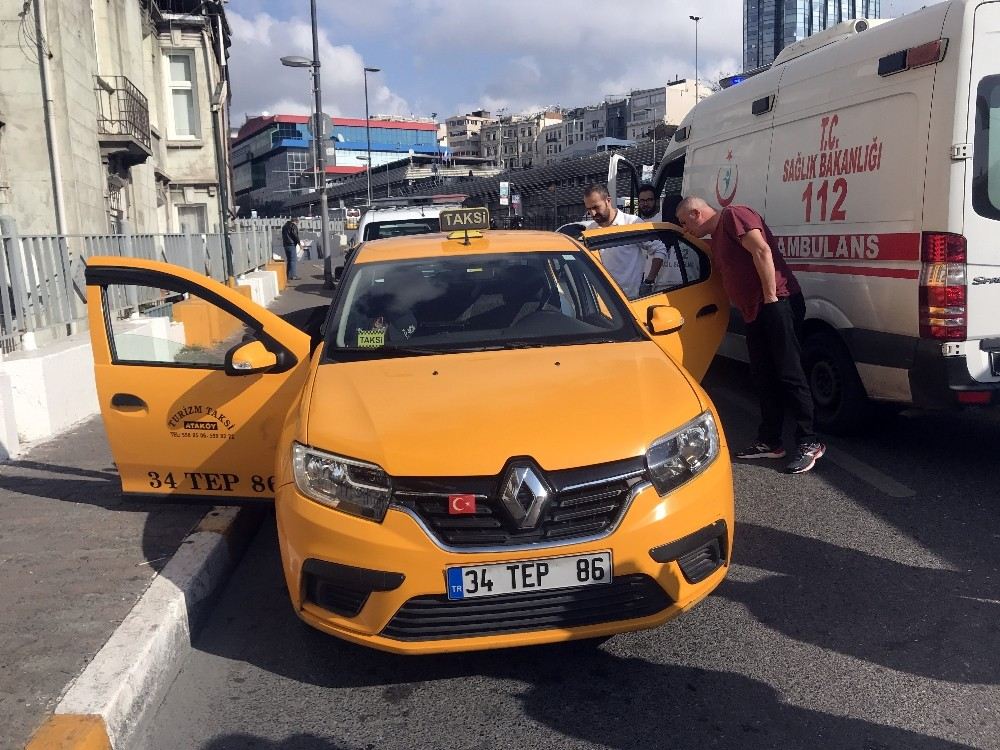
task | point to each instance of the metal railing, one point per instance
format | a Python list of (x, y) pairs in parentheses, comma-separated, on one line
[(42, 290), (122, 108)]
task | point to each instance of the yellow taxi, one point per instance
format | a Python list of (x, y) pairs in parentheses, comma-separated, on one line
[(485, 444)]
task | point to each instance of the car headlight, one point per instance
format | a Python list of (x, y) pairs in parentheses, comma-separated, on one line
[(350, 486), (676, 457)]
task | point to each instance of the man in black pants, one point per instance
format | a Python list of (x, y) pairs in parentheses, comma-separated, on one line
[(764, 289), (290, 242)]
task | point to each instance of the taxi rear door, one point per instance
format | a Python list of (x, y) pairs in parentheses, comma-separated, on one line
[(194, 380), (686, 281)]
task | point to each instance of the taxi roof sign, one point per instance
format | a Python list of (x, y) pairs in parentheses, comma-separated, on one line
[(457, 219)]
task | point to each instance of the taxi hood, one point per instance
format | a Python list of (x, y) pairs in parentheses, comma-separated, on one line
[(467, 414)]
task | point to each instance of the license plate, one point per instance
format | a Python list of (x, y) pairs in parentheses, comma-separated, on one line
[(473, 581)]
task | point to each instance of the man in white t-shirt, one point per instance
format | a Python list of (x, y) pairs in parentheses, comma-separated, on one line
[(625, 263), (646, 205)]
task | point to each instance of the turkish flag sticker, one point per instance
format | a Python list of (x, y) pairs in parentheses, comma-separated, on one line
[(461, 504)]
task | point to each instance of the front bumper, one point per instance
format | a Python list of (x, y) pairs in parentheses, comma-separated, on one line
[(400, 605)]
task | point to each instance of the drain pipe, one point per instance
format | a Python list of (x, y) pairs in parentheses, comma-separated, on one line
[(221, 139), (50, 119)]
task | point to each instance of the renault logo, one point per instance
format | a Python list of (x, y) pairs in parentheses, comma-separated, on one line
[(523, 496)]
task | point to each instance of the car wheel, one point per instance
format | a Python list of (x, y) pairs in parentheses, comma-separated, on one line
[(838, 395)]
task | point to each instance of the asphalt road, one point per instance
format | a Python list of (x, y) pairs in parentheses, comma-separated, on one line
[(862, 611)]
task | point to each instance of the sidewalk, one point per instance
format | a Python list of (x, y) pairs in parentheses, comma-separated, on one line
[(75, 556)]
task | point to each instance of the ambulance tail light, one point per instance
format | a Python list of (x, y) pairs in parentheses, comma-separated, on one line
[(943, 307)]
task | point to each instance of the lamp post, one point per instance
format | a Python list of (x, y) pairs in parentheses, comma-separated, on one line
[(368, 132), (695, 19), (500, 114), (652, 112), (295, 61)]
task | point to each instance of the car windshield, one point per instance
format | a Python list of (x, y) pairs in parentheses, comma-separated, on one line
[(379, 230), (475, 302)]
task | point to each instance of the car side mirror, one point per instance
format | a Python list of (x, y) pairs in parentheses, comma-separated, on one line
[(663, 319), (250, 358)]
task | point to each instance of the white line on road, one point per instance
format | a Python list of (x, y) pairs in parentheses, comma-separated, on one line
[(865, 472)]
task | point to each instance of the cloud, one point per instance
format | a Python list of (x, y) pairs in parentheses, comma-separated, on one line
[(454, 56), (261, 83)]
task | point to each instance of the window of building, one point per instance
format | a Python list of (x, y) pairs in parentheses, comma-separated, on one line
[(183, 95), (193, 219), (258, 175)]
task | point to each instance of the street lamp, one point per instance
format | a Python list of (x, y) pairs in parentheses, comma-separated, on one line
[(368, 132), (652, 113), (296, 61), (695, 19)]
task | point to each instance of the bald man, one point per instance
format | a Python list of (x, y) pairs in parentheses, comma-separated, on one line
[(763, 288)]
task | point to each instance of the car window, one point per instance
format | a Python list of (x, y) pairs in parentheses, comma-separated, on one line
[(379, 230), (152, 325), (462, 303), (683, 264)]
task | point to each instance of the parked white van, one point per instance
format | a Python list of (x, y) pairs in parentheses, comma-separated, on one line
[(868, 149)]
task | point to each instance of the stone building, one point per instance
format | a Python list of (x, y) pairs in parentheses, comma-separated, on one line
[(464, 132), (113, 115)]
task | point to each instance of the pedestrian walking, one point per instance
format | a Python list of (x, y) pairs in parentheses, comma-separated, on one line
[(290, 242), (763, 288), (626, 263)]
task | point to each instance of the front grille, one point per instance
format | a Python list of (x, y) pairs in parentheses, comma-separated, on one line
[(428, 618), (585, 502)]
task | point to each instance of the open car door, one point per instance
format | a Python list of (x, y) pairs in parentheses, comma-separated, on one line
[(686, 281), (194, 380), (623, 180)]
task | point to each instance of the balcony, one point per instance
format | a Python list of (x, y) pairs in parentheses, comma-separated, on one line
[(122, 120)]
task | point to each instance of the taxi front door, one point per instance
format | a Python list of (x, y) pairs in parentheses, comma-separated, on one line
[(194, 380), (686, 281)]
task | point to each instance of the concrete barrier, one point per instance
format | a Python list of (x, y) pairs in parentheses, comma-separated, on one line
[(52, 388), (10, 444)]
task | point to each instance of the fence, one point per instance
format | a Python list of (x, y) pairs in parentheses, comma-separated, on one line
[(42, 291)]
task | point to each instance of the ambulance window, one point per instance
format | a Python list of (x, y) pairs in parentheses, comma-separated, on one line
[(986, 150)]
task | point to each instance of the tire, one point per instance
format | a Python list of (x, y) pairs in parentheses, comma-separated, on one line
[(839, 397)]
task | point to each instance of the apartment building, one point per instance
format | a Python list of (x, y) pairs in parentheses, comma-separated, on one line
[(516, 141), (663, 105), (113, 115), (464, 132)]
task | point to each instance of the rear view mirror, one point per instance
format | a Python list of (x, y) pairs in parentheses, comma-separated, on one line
[(249, 358), (663, 319)]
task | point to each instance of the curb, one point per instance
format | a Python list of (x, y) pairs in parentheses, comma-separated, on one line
[(102, 707)]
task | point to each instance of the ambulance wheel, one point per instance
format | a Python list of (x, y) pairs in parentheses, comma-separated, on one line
[(838, 395)]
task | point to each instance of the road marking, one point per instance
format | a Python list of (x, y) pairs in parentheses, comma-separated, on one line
[(865, 472), (877, 479)]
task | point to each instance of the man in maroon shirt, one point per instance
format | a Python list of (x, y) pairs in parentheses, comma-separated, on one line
[(763, 288)]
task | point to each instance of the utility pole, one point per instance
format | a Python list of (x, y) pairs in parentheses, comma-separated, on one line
[(324, 216)]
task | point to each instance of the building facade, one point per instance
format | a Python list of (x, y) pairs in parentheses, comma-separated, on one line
[(771, 25), (464, 132), (664, 105), (392, 138), (273, 156), (110, 116), (517, 141)]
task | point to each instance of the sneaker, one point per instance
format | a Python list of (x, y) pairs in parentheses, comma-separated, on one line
[(761, 450), (805, 458)]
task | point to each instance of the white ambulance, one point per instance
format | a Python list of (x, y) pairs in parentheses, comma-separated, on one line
[(868, 150)]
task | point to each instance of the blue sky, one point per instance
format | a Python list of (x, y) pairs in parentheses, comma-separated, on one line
[(453, 56)]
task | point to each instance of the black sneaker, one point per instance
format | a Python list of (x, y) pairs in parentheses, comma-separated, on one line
[(761, 450), (805, 458)]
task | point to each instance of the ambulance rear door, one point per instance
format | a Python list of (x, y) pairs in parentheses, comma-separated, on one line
[(982, 190)]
